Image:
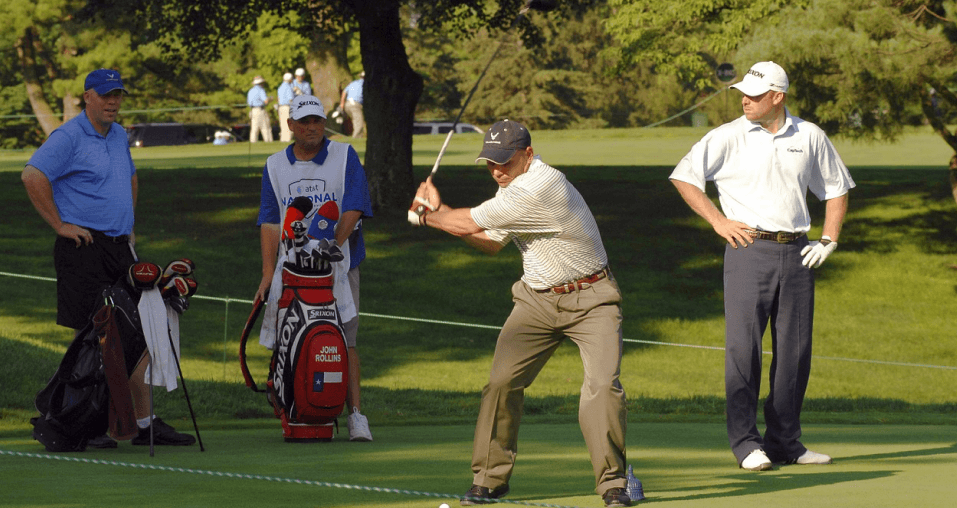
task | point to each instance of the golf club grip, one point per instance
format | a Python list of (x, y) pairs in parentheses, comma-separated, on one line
[(444, 146)]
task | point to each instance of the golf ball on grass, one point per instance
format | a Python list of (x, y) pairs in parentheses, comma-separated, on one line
[(443, 505)]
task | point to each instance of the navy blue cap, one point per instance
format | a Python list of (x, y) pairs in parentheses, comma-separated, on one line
[(502, 141), (104, 81)]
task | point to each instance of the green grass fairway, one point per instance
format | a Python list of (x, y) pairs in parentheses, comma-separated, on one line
[(680, 465), (881, 398)]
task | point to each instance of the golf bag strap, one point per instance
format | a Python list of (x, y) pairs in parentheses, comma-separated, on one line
[(250, 322), (121, 416)]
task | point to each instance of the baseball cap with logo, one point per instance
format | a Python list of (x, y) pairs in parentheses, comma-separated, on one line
[(104, 81), (306, 105), (762, 77), (502, 141)]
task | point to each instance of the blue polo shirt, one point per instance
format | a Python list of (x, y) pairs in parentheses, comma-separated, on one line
[(354, 90), (285, 94), (91, 175), (256, 97)]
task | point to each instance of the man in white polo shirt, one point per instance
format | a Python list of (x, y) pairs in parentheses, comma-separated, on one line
[(567, 290), (762, 165)]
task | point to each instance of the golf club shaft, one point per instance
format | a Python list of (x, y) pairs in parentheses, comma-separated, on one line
[(448, 138), (186, 393)]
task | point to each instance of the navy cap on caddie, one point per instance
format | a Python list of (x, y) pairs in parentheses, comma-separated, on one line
[(502, 141), (104, 81), (306, 105)]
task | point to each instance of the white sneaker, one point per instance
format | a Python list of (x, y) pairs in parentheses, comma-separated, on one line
[(358, 426), (810, 457), (756, 461)]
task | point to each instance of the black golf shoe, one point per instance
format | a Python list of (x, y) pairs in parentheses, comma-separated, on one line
[(482, 495), (163, 434), (616, 497)]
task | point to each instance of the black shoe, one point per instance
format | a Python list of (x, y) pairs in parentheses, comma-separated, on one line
[(163, 434), (482, 495), (616, 497), (103, 441)]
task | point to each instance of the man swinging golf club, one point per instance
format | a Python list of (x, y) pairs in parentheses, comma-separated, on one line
[(567, 290)]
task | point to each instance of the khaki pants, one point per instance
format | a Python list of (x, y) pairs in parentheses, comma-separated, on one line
[(538, 324), (285, 135), (259, 122)]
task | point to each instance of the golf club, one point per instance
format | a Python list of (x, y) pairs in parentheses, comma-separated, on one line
[(538, 5)]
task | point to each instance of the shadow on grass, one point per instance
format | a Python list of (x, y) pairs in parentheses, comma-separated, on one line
[(779, 482)]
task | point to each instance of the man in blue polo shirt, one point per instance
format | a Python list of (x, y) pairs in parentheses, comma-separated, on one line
[(83, 183), (285, 95)]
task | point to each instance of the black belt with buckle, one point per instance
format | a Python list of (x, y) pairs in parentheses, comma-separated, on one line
[(780, 236), (581, 283), (115, 239)]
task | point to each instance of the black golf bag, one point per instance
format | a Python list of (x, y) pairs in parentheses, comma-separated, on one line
[(89, 394)]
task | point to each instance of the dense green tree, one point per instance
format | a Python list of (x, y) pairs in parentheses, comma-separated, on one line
[(392, 89)]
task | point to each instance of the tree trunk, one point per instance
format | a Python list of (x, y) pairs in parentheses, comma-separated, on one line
[(27, 57), (71, 106), (937, 123), (328, 67), (390, 94)]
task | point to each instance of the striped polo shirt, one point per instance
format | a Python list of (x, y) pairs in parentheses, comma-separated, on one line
[(549, 222)]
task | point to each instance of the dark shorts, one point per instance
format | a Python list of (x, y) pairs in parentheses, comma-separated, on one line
[(82, 274)]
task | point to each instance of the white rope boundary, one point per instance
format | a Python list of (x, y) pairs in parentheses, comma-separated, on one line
[(245, 476), (227, 301)]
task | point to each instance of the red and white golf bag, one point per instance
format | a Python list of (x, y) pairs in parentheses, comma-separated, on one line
[(309, 370)]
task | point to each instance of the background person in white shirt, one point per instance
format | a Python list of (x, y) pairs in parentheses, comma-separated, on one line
[(763, 165), (567, 290)]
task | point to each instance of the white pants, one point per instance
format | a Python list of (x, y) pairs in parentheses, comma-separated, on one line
[(259, 122), (285, 135)]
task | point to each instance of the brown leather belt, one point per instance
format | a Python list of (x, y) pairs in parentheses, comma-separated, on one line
[(780, 236), (582, 283)]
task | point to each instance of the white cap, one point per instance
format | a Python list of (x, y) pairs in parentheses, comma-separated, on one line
[(258, 80), (761, 77), (306, 105), (300, 72), (287, 77)]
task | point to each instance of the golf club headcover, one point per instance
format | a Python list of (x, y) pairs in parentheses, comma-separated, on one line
[(419, 209), (143, 275), (297, 210), (323, 225), (177, 286), (182, 266)]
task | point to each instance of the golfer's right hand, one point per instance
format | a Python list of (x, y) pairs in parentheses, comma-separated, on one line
[(79, 235)]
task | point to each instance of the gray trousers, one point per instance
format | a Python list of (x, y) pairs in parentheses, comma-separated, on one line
[(766, 283), (538, 324)]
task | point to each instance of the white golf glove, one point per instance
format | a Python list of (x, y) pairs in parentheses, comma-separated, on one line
[(816, 252), (419, 209)]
